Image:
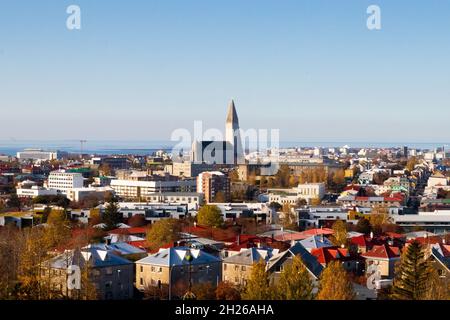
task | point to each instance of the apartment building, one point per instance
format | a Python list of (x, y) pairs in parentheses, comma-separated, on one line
[(145, 190), (63, 181), (210, 183)]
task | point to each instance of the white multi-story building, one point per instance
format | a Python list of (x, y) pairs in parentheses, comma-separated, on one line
[(307, 191), (131, 189), (35, 191), (37, 154), (64, 181)]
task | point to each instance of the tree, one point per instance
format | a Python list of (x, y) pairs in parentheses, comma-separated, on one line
[(258, 284), (411, 278), (220, 197), (204, 291), (112, 216), (57, 231), (339, 236), (411, 164), (295, 282), (163, 232), (210, 216), (438, 287), (14, 201), (227, 291), (363, 226), (335, 283), (289, 218)]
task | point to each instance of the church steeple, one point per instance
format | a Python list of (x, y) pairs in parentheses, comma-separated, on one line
[(232, 115)]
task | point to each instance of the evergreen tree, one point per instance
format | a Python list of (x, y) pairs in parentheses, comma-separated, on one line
[(295, 282), (411, 279), (335, 283), (112, 216), (257, 287)]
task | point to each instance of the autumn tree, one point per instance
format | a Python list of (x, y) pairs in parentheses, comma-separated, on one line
[(163, 232), (57, 231), (295, 282), (219, 197), (363, 226), (210, 216), (339, 237), (204, 291), (335, 284), (411, 278), (289, 218), (227, 291), (258, 285), (438, 287)]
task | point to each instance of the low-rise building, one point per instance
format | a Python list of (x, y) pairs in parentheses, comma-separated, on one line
[(173, 267)]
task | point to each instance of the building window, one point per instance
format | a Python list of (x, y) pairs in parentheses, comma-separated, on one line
[(142, 268), (141, 281), (109, 271), (224, 266)]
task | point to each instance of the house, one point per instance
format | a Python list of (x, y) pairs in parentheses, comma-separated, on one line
[(440, 259), (237, 268), (278, 262), (315, 242), (111, 275), (385, 257), (350, 262), (174, 267)]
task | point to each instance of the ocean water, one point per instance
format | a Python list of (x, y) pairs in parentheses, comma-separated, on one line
[(109, 147)]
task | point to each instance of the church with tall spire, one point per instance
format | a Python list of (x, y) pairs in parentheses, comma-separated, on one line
[(230, 148), (232, 133)]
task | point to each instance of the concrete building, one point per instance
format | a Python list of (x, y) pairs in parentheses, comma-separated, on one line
[(35, 191), (174, 266), (237, 268), (210, 183), (145, 190), (111, 274), (37, 154), (78, 194), (62, 181), (188, 168), (225, 152), (308, 192)]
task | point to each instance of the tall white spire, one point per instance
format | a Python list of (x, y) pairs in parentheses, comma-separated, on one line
[(232, 134)]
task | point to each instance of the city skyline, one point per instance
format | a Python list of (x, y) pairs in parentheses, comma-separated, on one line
[(312, 70)]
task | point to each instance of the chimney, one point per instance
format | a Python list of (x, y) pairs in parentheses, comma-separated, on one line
[(238, 240)]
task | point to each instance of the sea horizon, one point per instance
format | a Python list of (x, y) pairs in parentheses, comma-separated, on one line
[(147, 147)]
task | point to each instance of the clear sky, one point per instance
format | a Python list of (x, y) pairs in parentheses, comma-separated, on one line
[(139, 69)]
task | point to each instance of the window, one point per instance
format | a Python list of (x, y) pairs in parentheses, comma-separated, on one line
[(142, 268), (224, 266), (141, 281), (243, 268), (109, 271)]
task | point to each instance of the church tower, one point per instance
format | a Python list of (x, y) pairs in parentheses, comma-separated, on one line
[(232, 134)]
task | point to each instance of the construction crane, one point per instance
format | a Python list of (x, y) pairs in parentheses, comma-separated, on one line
[(82, 142)]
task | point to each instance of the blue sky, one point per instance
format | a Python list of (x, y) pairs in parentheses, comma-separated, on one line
[(138, 70)]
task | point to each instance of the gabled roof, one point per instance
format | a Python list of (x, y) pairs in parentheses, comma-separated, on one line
[(326, 255), (251, 256), (442, 254), (310, 262), (314, 242), (383, 252), (176, 256), (95, 257)]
